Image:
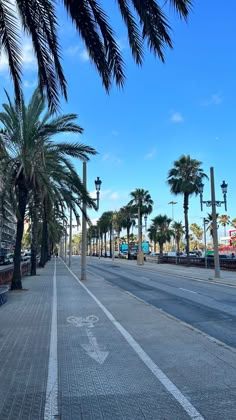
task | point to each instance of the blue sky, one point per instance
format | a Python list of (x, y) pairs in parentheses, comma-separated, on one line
[(185, 106)]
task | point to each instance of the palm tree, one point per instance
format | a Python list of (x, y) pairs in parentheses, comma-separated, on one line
[(163, 231), (197, 235), (233, 223), (31, 160), (128, 221), (209, 223), (178, 230), (105, 223), (143, 204), (224, 220), (145, 21), (184, 179)]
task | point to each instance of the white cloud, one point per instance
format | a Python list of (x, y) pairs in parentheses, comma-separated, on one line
[(27, 57), (215, 99), (176, 117), (84, 55), (78, 51), (113, 160), (123, 43), (151, 154), (115, 196), (30, 84), (72, 51), (105, 157)]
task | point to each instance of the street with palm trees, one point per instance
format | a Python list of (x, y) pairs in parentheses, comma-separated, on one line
[(113, 322)]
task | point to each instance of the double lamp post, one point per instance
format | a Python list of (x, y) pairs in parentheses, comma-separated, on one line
[(213, 203)]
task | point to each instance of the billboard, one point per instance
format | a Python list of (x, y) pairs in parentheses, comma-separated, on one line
[(145, 247), (232, 234)]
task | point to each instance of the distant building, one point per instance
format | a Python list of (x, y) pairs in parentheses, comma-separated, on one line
[(7, 226)]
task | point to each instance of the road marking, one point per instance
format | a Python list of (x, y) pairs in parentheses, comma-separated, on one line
[(145, 278), (78, 321), (159, 374), (51, 405), (187, 290), (92, 348)]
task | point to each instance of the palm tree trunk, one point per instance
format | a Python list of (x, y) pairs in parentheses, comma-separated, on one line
[(105, 244), (16, 283), (161, 249), (34, 235), (128, 239), (44, 243), (111, 239), (186, 198)]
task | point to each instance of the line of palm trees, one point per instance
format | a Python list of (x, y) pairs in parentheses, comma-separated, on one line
[(39, 178), (183, 179)]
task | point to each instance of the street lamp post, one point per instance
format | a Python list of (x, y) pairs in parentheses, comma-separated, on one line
[(213, 203), (140, 256), (98, 183), (205, 246)]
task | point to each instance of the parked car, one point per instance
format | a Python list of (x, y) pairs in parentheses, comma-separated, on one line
[(6, 259)]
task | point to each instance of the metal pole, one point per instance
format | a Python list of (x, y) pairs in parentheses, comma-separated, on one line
[(204, 223), (70, 238), (65, 242), (99, 243), (84, 227), (113, 243), (214, 225), (139, 256)]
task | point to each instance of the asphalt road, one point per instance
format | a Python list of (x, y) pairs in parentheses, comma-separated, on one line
[(207, 306)]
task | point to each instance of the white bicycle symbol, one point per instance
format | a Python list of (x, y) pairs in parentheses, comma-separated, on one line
[(87, 322)]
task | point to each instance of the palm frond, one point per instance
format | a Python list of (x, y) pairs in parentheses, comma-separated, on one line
[(9, 39)]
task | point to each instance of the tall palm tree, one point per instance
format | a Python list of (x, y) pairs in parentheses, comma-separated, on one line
[(152, 234), (209, 222), (163, 230), (178, 230), (197, 231), (224, 220), (184, 179), (143, 205), (105, 223), (128, 221), (30, 158), (144, 21)]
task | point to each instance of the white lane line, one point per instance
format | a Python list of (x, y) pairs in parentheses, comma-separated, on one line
[(160, 375), (187, 290), (145, 278), (51, 405)]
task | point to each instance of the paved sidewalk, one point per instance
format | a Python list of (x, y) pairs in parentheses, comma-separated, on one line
[(226, 277), (116, 357)]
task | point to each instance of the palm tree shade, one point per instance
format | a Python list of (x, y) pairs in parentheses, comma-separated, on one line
[(144, 20)]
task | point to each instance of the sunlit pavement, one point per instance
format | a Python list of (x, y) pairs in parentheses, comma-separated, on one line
[(72, 350)]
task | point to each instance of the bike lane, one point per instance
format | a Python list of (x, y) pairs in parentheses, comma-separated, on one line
[(104, 372)]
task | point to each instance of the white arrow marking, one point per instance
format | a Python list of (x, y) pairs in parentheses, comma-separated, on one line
[(93, 349)]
